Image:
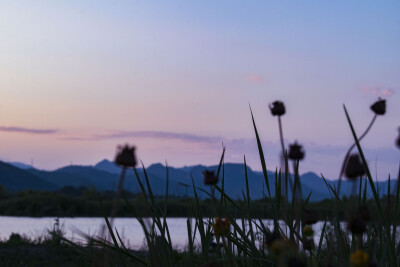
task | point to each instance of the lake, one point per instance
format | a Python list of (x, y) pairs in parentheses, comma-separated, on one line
[(129, 229)]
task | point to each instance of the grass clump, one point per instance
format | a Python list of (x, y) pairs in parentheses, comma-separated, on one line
[(235, 234)]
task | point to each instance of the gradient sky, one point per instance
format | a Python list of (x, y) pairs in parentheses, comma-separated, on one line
[(176, 78)]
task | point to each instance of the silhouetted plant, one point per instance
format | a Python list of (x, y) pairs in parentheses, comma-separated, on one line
[(379, 107), (277, 108), (242, 238), (126, 156), (354, 167), (296, 151), (210, 178)]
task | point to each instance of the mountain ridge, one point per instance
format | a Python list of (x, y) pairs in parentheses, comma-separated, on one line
[(105, 176)]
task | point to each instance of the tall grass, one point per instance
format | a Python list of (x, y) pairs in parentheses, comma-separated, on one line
[(246, 240)]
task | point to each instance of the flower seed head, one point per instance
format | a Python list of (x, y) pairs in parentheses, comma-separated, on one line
[(310, 217), (354, 167), (210, 178), (379, 107), (308, 244), (357, 226), (277, 108), (296, 151), (363, 213), (126, 156)]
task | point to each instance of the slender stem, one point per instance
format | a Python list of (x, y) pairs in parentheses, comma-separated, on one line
[(285, 158), (281, 135), (349, 151), (119, 191), (299, 202), (286, 163), (116, 200)]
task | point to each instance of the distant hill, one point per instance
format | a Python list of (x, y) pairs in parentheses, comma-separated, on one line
[(15, 179), (105, 175), (21, 165), (108, 166)]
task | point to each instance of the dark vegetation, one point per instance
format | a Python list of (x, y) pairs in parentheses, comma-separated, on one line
[(84, 202), (50, 250)]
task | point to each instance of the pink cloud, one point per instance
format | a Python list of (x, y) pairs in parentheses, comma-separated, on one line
[(378, 91), (366, 89), (387, 92), (254, 78)]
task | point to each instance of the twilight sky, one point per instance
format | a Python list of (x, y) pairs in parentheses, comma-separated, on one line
[(176, 78)]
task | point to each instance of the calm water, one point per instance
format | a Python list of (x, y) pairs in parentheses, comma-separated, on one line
[(129, 229)]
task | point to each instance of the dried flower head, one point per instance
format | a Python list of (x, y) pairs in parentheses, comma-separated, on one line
[(277, 108), (296, 151), (359, 259), (310, 217), (221, 226), (357, 226), (379, 107), (308, 231), (308, 244), (126, 156), (363, 213), (354, 167), (210, 178)]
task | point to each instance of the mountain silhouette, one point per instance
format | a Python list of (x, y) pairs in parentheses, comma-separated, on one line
[(105, 175), (15, 179)]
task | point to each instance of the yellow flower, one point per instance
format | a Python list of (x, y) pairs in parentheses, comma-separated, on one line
[(221, 226), (359, 259), (278, 246)]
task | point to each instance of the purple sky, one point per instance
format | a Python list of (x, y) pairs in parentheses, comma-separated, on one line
[(176, 78)]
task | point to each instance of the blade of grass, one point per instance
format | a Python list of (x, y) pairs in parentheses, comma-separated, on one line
[(371, 182), (109, 225), (321, 240), (120, 240), (191, 254), (165, 225), (396, 209), (365, 193), (200, 223), (248, 201), (360, 151), (261, 153)]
